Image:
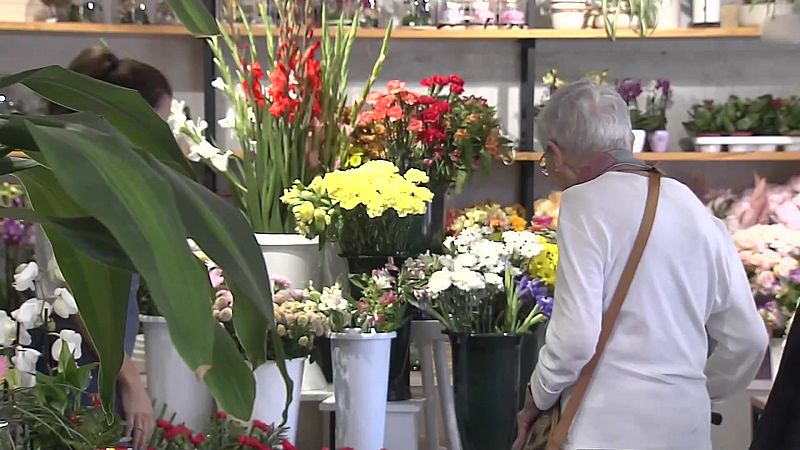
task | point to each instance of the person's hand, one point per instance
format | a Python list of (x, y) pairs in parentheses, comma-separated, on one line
[(525, 419), (136, 405)]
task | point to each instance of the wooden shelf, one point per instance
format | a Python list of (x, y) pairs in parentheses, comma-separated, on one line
[(693, 156), (93, 28), (376, 33)]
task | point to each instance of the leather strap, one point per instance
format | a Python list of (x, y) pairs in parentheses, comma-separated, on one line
[(559, 436)]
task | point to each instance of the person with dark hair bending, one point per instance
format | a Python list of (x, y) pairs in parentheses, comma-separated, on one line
[(133, 401)]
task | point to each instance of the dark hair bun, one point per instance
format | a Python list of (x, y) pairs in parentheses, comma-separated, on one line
[(97, 62)]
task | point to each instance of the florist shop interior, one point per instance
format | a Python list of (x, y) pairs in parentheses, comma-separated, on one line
[(306, 224)]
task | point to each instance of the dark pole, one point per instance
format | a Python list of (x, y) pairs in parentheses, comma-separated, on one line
[(209, 98), (527, 168)]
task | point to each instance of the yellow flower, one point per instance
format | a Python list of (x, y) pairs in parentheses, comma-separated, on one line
[(416, 176), (354, 160), (304, 212), (518, 223), (543, 265)]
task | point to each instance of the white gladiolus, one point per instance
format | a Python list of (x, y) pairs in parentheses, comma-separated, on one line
[(25, 276), (203, 150), (73, 341), (29, 314), (177, 116), (220, 161), (219, 84), (229, 121), (64, 305), (25, 362), (8, 330)]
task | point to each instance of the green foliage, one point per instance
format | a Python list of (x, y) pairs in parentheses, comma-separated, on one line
[(788, 120), (704, 118)]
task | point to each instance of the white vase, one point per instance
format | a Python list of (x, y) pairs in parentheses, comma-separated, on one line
[(271, 394), (669, 14), (639, 137), (360, 362), (292, 256), (775, 352), (170, 381)]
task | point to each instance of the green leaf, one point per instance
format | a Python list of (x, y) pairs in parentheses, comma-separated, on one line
[(85, 233), (123, 108), (10, 164), (195, 17), (100, 291), (137, 205), (230, 380)]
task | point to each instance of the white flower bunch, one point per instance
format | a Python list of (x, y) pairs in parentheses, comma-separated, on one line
[(194, 135), (34, 313)]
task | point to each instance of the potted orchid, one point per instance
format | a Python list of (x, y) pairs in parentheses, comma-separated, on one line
[(488, 291), (287, 114), (652, 118), (298, 323)]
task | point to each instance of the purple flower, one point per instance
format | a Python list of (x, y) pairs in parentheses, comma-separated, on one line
[(12, 232), (665, 86), (531, 289), (629, 90), (546, 304), (794, 276)]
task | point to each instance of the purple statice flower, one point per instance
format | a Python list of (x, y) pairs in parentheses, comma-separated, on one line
[(545, 302), (629, 90), (12, 232), (531, 289)]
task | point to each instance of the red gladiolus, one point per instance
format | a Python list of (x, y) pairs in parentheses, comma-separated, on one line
[(255, 70), (287, 445), (164, 424), (259, 425)]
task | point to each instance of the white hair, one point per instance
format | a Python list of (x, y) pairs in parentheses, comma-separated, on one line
[(583, 119)]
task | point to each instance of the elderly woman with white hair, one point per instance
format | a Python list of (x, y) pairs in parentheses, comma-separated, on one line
[(655, 381)]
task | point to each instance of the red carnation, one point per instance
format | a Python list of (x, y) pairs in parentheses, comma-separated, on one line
[(198, 439), (427, 82), (430, 115), (287, 445), (442, 107), (415, 126), (457, 89), (259, 425), (440, 80), (164, 424), (221, 415), (176, 432), (455, 79), (426, 100)]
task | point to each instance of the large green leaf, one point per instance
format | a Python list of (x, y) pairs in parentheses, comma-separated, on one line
[(237, 391), (101, 291), (137, 206), (223, 233), (84, 233), (10, 164), (123, 108), (195, 17)]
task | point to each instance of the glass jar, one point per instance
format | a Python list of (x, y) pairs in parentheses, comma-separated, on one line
[(453, 13), (133, 11), (512, 13)]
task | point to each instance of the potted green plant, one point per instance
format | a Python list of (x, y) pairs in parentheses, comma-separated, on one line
[(705, 120), (746, 117), (653, 117), (788, 122)]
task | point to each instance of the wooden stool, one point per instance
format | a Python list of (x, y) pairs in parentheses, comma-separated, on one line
[(428, 337)]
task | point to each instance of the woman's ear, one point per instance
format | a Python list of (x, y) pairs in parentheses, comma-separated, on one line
[(556, 156)]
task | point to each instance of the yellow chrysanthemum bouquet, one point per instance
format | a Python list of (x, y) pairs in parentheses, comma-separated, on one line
[(369, 210)]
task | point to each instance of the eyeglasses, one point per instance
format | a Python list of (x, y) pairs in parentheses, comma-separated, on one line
[(543, 164)]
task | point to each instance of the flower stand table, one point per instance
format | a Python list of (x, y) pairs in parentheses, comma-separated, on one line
[(402, 423)]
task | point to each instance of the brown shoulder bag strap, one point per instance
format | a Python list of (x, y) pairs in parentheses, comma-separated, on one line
[(559, 435)]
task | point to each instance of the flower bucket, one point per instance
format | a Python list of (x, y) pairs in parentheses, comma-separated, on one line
[(293, 256), (639, 137), (400, 361), (358, 360), (776, 346), (528, 357), (486, 383), (170, 381), (271, 394)]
